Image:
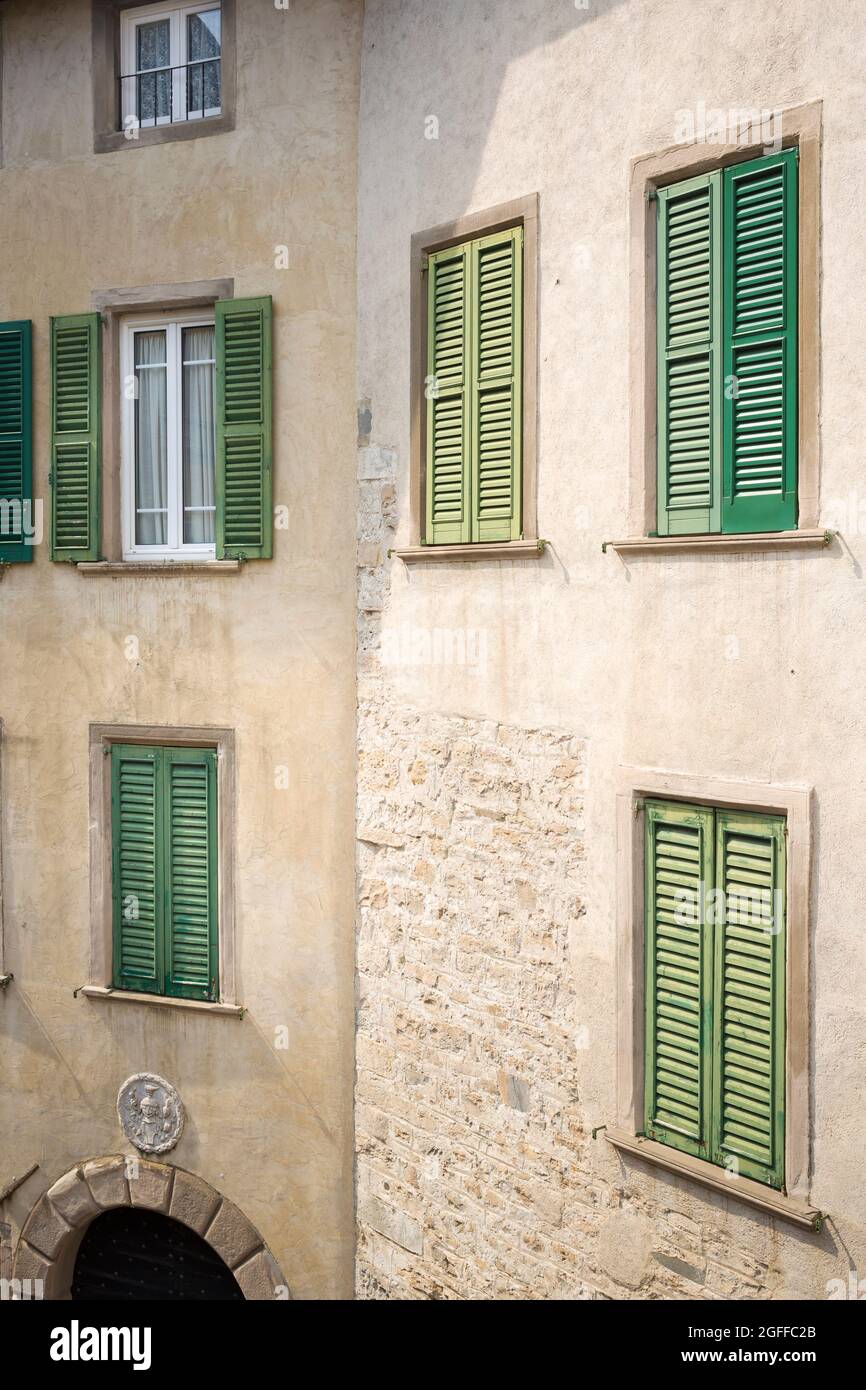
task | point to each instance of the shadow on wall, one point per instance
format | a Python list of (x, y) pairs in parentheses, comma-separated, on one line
[(437, 112)]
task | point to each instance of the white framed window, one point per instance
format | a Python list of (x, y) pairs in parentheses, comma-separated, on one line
[(170, 64), (168, 437)]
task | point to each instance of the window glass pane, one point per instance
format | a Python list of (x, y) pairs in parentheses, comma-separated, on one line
[(151, 441), (203, 51), (199, 503), (153, 65)]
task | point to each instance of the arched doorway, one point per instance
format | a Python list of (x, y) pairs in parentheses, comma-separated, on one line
[(46, 1256), (131, 1253)]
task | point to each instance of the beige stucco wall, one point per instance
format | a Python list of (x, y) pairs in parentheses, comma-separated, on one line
[(267, 652), (734, 667)]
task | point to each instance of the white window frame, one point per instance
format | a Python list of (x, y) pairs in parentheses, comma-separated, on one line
[(177, 16), (173, 327)]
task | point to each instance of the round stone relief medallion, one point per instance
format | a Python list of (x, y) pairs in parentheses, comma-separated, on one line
[(150, 1112)]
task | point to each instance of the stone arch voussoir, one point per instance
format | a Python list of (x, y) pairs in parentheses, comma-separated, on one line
[(55, 1227)]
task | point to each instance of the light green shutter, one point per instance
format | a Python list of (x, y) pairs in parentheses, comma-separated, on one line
[(191, 873), (760, 347), (244, 521), (689, 330), (136, 868), (449, 516), (75, 437), (497, 387), (749, 1011), (16, 442), (678, 967)]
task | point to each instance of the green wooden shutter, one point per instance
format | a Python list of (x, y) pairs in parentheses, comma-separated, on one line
[(689, 331), (136, 868), (244, 520), (678, 969), (497, 385), (749, 1008), (191, 873), (449, 517), (16, 443), (760, 345), (75, 437)]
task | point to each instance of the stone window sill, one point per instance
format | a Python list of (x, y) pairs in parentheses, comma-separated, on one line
[(106, 142), (754, 1194), (124, 996), (763, 540), (93, 568), (487, 550)]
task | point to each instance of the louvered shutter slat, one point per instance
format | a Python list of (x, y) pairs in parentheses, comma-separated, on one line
[(496, 428), (75, 437), (190, 850), (749, 1009), (244, 428), (448, 441), (689, 310), (679, 849), (136, 852), (16, 514), (760, 351)]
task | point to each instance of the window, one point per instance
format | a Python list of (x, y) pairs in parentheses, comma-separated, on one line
[(189, 441), (474, 388), (164, 870), (171, 64), (169, 437), (727, 313), (715, 948)]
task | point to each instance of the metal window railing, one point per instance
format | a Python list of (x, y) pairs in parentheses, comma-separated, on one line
[(170, 94)]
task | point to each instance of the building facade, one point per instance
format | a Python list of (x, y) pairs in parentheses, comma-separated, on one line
[(127, 235), (564, 1089), (430, 680)]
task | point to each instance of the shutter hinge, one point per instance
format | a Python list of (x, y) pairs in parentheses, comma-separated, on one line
[(638, 807), (651, 195), (51, 476), (425, 265)]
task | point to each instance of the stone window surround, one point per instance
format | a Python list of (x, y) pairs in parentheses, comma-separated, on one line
[(634, 784), (518, 212), (801, 127), (105, 25), (59, 1219), (102, 736), (113, 305)]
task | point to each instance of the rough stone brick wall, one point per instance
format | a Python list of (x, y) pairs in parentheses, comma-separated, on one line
[(478, 1078)]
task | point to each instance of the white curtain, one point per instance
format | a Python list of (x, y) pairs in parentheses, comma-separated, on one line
[(151, 441), (198, 436)]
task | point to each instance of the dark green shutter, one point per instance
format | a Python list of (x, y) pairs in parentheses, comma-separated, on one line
[(497, 385), (136, 868), (749, 1012), (449, 518), (75, 437), (678, 967), (17, 520), (760, 345), (190, 877), (244, 521), (164, 870), (689, 331)]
